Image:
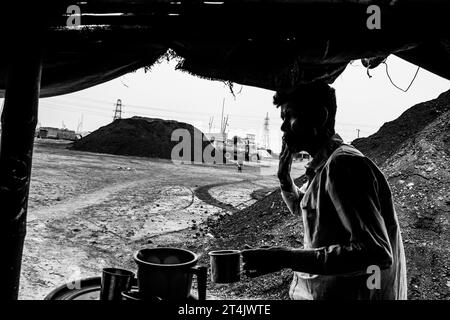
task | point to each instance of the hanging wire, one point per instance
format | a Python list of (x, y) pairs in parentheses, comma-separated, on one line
[(387, 73), (123, 82), (368, 73)]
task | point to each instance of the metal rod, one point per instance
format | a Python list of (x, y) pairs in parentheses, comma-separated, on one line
[(19, 119)]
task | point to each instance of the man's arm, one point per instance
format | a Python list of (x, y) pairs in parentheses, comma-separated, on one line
[(353, 191), (290, 193), (292, 199)]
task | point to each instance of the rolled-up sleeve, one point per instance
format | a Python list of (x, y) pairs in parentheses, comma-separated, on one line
[(352, 189)]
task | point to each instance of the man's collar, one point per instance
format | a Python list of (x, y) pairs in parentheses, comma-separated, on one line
[(323, 154)]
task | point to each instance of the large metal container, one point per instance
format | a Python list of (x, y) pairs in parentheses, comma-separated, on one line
[(167, 273)]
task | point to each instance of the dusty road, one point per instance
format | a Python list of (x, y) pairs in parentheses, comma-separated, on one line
[(88, 211)]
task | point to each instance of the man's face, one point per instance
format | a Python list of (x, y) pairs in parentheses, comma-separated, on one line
[(298, 127)]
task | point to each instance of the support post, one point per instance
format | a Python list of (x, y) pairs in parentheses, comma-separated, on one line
[(18, 124)]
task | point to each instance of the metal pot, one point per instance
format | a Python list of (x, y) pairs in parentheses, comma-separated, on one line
[(167, 273)]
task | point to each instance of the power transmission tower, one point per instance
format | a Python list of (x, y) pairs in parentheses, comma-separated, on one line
[(118, 111), (266, 139), (358, 132)]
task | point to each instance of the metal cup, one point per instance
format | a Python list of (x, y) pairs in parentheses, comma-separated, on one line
[(114, 281), (225, 266)]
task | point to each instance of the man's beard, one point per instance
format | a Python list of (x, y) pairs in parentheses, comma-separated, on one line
[(292, 143)]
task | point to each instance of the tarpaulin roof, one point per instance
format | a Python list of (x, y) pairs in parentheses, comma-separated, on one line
[(272, 44)]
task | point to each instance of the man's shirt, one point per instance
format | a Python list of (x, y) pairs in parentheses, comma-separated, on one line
[(351, 226)]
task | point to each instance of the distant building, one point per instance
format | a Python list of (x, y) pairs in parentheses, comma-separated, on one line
[(217, 139), (55, 133), (48, 133), (251, 138)]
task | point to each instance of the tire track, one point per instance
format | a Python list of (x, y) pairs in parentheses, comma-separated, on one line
[(73, 205), (203, 194)]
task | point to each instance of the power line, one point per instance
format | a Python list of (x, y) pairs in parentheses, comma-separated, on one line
[(78, 109), (73, 109), (185, 116), (148, 108), (356, 124), (190, 112), (239, 121)]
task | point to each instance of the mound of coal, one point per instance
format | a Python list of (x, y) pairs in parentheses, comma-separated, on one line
[(391, 135), (139, 136), (418, 171)]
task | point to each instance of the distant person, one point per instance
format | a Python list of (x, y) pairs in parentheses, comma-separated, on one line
[(350, 224), (239, 165)]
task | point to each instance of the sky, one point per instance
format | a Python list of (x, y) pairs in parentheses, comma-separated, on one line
[(363, 103)]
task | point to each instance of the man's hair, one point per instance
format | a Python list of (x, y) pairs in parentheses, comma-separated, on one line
[(312, 95)]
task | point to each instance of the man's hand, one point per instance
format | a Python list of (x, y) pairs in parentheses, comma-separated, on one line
[(265, 260), (290, 193), (284, 168)]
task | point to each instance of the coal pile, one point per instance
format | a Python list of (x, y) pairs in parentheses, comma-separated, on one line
[(139, 136), (414, 154), (387, 141)]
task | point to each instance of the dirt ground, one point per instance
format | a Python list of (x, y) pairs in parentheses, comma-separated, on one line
[(88, 211)]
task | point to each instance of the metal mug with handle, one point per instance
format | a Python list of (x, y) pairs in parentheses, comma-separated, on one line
[(225, 266)]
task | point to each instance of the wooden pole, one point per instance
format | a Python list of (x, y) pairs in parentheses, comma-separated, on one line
[(19, 119)]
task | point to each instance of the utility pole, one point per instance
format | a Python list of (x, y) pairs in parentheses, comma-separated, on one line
[(80, 125), (358, 132), (211, 120), (266, 136), (225, 124), (19, 120), (221, 117), (223, 121), (118, 111)]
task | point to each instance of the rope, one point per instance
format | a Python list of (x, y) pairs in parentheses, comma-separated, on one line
[(387, 73)]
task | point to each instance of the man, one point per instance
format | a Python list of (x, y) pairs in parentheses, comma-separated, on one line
[(352, 243), (240, 164)]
